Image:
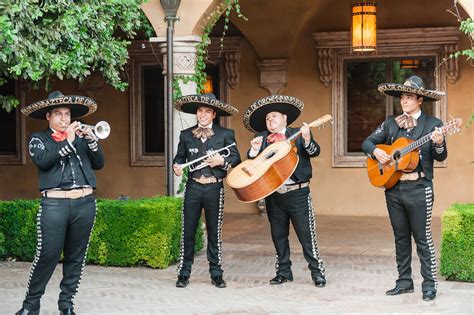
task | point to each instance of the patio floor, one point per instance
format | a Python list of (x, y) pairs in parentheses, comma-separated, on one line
[(360, 267)]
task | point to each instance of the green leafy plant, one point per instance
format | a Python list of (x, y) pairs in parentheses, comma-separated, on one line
[(223, 9), (467, 27), (144, 232), (2, 246), (457, 244), (44, 40)]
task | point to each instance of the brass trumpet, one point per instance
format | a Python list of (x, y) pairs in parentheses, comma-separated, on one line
[(208, 154), (101, 129)]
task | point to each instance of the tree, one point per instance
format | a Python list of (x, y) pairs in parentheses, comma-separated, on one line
[(43, 40)]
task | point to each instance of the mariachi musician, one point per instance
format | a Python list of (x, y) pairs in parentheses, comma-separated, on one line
[(204, 188), (269, 117), (410, 201), (66, 156)]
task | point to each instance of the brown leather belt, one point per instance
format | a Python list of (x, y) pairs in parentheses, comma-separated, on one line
[(67, 194), (207, 180), (412, 176), (287, 188)]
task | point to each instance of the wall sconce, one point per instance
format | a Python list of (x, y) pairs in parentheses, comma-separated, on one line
[(409, 63), (364, 27), (208, 86)]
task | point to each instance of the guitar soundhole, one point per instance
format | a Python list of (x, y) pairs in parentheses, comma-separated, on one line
[(396, 155), (270, 155)]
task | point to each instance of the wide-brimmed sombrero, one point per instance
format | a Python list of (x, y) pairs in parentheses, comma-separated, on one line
[(413, 84), (80, 105), (254, 117), (190, 103)]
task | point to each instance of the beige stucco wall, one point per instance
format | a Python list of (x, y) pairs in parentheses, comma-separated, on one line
[(336, 191), (347, 191), (117, 177)]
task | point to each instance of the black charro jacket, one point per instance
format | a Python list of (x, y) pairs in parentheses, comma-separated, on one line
[(304, 170), (49, 157), (389, 131), (188, 148)]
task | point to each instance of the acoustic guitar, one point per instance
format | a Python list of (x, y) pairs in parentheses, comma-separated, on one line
[(404, 158), (257, 178)]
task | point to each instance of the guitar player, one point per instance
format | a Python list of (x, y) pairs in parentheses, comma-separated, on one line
[(410, 201), (269, 117)]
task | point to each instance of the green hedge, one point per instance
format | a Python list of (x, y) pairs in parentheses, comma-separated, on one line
[(126, 232), (2, 248), (457, 244)]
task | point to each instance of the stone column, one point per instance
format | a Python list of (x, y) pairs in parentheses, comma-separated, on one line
[(184, 58)]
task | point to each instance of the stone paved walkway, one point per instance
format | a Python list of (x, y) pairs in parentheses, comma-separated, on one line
[(360, 266)]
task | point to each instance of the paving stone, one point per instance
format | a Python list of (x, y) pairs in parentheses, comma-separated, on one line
[(360, 267)]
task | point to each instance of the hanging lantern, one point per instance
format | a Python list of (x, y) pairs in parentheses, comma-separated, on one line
[(364, 26), (208, 86)]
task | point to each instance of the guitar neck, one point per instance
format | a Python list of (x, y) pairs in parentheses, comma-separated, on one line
[(317, 123), (416, 144), (294, 136)]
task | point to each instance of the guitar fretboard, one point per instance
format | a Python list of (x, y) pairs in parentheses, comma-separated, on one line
[(414, 145)]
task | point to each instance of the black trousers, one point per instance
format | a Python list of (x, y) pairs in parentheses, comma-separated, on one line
[(295, 206), (63, 225), (409, 206), (211, 198)]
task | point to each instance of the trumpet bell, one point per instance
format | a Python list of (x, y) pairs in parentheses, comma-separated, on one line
[(101, 129)]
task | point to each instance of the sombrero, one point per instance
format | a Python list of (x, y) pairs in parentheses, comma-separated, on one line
[(80, 105), (190, 103), (254, 117), (413, 84)]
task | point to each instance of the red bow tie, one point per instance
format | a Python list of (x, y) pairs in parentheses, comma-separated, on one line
[(59, 136), (274, 137)]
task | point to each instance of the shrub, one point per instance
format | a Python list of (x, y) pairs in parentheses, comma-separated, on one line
[(457, 244), (126, 232), (2, 249), (18, 225)]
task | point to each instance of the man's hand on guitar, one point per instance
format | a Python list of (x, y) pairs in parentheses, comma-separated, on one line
[(256, 143), (305, 133), (381, 156), (437, 136)]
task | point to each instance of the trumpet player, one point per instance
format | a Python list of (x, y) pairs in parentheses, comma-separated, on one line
[(204, 188), (66, 157)]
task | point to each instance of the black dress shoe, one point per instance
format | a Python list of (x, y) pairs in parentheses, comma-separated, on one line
[(398, 290), (22, 311), (429, 295), (279, 279), (67, 311), (218, 282), (319, 281), (182, 282)]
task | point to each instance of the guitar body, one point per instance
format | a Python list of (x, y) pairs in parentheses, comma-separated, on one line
[(257, 178), (388, 174)]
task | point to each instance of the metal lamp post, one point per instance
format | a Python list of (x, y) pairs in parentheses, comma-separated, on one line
[(170, 7)]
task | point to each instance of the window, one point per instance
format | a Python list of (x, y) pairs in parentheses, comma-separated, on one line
[(11, 129), (357, 106), (147, 126), (147, 86), (366, 106)]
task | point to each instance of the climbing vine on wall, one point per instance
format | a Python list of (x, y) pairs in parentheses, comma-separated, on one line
[(225, 8)]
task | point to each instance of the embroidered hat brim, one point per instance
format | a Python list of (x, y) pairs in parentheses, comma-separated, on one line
[(190, 104), (80, 106), (396, 90), (254, 117)]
